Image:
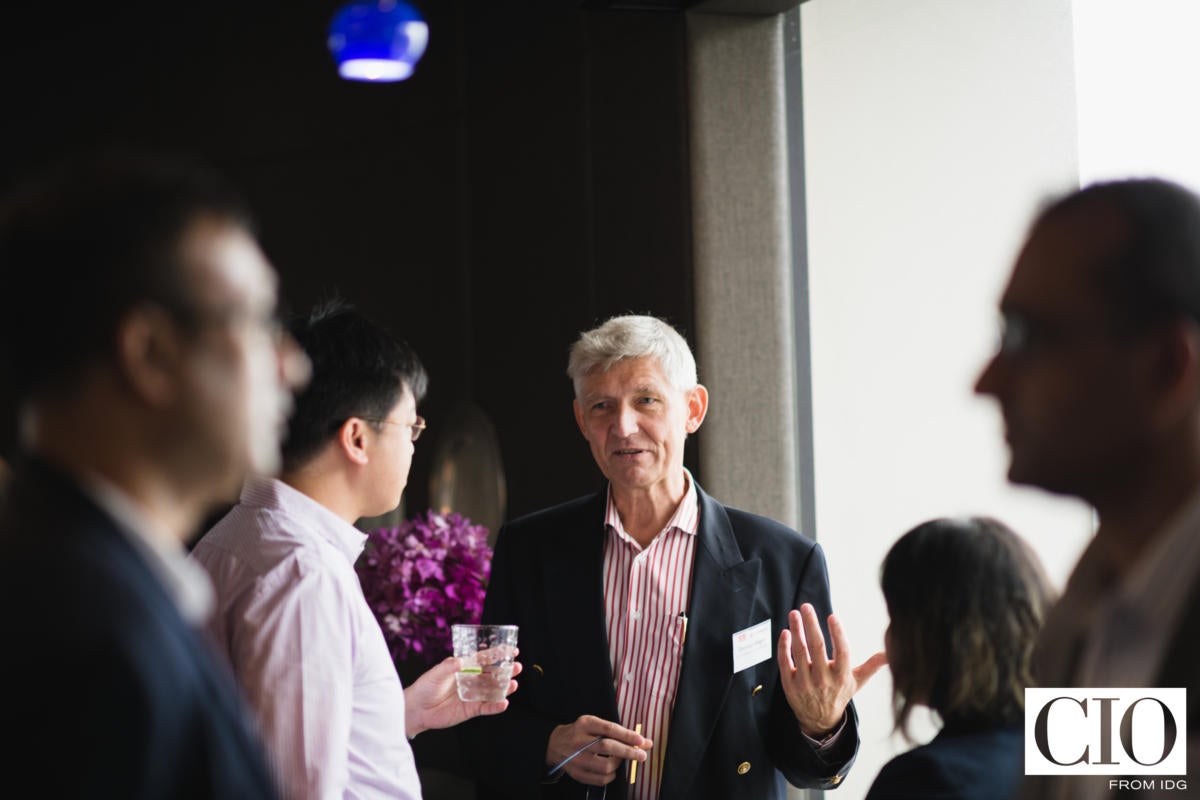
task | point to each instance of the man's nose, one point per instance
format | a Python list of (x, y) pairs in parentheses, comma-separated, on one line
[(626, 422), (988, 382)]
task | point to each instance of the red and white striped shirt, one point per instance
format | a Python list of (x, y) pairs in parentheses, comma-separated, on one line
[(646, 595)]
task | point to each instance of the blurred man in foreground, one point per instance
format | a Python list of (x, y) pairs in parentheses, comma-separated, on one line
[(1098, 379), (137, 331)]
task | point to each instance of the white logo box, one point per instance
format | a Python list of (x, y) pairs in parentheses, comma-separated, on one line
[(1106, 731)]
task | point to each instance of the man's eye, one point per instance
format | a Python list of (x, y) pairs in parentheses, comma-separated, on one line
[(1016, 335)]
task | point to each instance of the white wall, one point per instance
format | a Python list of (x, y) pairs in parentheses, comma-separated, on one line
[(933, 128), (1136, 71)]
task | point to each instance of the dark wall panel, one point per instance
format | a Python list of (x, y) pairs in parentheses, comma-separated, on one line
[(529, 181)]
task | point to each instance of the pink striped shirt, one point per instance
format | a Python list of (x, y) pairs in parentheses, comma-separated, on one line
[(645, 605)]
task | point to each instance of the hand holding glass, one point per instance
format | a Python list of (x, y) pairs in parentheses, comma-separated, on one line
[(487, 653)]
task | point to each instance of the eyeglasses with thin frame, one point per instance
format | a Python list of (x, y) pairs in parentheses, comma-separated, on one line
[(416, 427), (589, 792)]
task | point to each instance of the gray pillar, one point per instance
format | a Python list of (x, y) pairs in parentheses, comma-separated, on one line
[(745, 328)]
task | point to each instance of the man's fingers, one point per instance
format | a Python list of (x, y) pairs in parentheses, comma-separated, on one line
[(617, 751), (799, 640), (839, 645), (864, 671), (783, 652), (593, 769), (594, 726), (814, 637), (567, 739), (445, 668), (484, 709), (598, 764)]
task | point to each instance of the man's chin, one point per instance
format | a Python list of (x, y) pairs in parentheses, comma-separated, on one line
[(265, 457), (1023, 475), (630, 477), (228, 491)]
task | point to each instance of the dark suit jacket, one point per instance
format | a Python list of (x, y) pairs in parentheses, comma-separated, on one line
[(108, 691), (960, 763), (1181, 667), (546, 578)]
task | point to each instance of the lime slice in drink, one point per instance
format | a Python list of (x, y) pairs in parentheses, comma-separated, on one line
[(471, 671)]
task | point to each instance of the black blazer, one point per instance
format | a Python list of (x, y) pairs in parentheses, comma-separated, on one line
[(960, 763), (547, 578), (108, 691)]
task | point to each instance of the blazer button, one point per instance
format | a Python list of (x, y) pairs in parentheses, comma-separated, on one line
[(539, 669), (756, 690), (835, 780), (743, 767)]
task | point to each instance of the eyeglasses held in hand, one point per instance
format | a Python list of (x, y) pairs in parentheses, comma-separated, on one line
[(554, 770), (589, 792)]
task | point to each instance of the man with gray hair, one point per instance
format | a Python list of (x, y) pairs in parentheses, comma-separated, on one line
[(648, 614)]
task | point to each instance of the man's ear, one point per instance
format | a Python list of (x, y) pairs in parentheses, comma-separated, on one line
[(1176, 371), (697, 406), (149, 353), (352, 439)]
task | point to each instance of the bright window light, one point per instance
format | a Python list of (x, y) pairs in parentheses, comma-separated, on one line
[(1136, 70)]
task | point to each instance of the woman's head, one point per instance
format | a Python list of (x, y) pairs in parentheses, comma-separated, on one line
[(966, 597)]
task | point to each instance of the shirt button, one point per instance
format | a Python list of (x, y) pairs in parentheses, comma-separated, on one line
[(628, 677), (636, 615)]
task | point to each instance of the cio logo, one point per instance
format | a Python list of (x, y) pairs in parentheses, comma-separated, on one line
[(1105, 731)]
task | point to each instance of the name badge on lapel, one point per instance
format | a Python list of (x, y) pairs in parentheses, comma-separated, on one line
[(752, 645)]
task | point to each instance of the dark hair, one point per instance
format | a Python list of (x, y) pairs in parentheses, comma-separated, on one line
[(358, 370), (83, 245), (967, 598), (1153, 274)]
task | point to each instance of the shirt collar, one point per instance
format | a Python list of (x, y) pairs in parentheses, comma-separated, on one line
[(262, 492), (686, 518), (187, 583)]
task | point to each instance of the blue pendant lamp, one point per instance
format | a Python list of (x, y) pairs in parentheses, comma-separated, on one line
[(377, 41)]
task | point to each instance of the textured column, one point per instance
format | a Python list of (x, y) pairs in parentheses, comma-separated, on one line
[(744, 311)]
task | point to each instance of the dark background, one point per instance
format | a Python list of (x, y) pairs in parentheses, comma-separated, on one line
[(528, 182)]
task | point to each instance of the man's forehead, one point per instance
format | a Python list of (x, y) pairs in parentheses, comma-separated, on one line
[(629, 374), (405, 403), (1061, 261), (225, 264)]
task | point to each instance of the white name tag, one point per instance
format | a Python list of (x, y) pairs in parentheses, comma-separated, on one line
[(752, 645)]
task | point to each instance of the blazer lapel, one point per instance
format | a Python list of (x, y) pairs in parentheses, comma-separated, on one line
[(722, 599), (574, 585)]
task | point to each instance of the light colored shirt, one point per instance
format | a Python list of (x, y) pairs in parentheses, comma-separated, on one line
[(1106, 634), (646, 595), (309, 654)]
